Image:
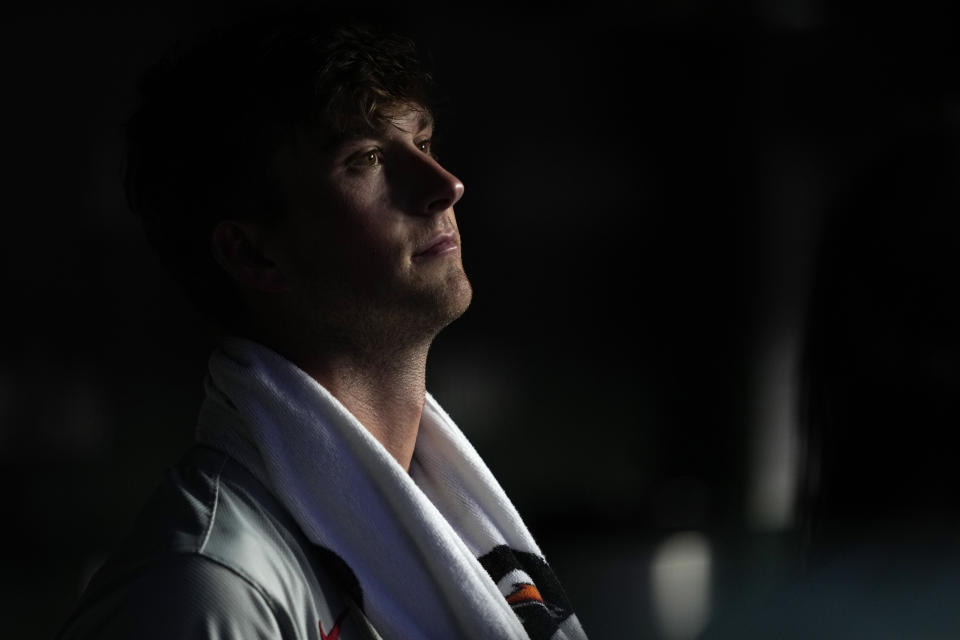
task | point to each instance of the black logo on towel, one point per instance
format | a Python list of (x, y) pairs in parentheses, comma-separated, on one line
[(531, 589)]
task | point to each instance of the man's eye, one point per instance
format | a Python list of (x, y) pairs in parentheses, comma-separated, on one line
[(424, 145), (366, 159)]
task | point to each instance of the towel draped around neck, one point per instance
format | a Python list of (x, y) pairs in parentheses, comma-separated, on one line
[(440, 552)]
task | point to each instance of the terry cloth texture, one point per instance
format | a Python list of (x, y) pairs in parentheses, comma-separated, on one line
[(440, 552)]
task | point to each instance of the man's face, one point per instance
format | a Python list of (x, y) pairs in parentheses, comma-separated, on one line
[(370, 242)]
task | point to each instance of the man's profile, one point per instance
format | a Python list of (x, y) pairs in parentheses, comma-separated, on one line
[(284, 174)]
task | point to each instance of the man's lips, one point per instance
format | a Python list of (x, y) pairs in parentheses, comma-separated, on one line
[(439, 245)]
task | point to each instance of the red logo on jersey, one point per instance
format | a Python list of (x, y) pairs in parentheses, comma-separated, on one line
[(335, 629)]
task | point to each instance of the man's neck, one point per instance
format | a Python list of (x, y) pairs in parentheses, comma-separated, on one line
[(378, 374), (384, 388), (386, 394)]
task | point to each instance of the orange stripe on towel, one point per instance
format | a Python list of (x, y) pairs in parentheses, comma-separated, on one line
[(524, 593)]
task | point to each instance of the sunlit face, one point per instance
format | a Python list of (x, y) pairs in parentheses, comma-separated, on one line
[(370, 242)]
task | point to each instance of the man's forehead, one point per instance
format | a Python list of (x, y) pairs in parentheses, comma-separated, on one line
[(422, 119), (406, 118)]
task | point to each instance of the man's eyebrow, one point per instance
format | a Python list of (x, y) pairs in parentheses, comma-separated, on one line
[(424, 121), (328, 143)]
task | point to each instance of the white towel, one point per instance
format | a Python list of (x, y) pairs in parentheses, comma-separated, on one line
[(437, 552)]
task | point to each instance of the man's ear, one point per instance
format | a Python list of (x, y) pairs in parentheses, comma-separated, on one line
[(238, 248)]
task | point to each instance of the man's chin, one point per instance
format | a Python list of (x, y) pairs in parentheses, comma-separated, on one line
[(453, 301), (448, 301)]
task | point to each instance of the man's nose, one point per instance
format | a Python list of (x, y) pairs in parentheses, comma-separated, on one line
[(432, 188)]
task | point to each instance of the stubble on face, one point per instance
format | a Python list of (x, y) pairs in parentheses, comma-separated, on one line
[(353, 232)]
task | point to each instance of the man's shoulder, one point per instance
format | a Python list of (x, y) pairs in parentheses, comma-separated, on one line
[(183, 595), (209, 505), (212, 528)]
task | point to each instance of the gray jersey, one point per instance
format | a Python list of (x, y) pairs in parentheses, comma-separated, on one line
[(214, 555)]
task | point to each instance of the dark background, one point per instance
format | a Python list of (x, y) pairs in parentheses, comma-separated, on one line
[(651, 197)]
